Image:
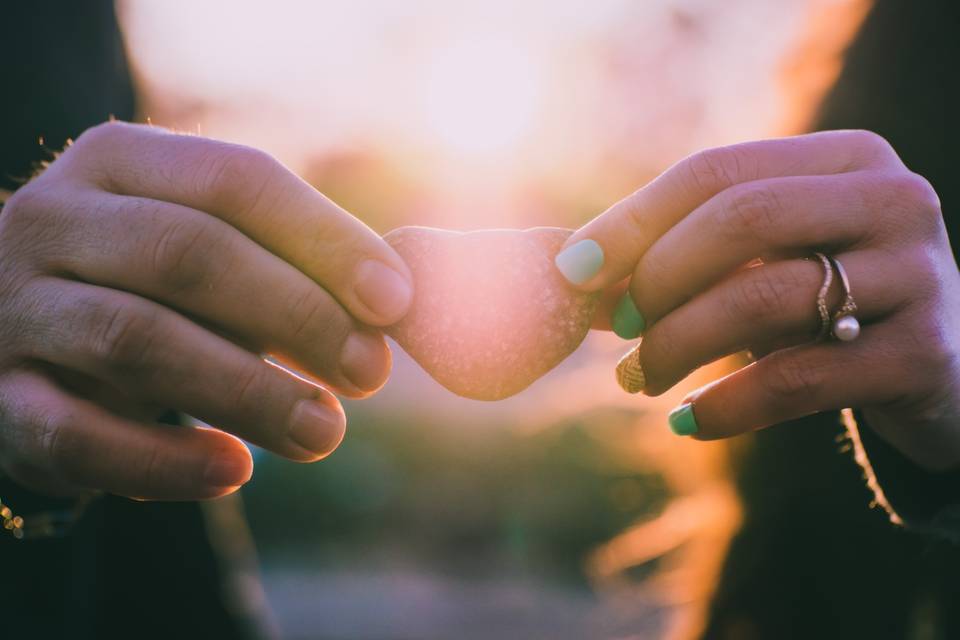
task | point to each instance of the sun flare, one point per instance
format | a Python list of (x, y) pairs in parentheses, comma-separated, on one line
[(481, 96)]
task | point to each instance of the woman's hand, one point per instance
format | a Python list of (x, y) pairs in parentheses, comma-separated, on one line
[(691, 243), (145, 269)]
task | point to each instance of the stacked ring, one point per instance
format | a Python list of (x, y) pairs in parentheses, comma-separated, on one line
[(841, 324), (845, 326), (822, 309)]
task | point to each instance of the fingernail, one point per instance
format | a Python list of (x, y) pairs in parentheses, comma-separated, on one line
[(365, 360), (580, 261), (630, 375), (628, 322), (682, 420), (382, 290), (227, 470), (316, 427)]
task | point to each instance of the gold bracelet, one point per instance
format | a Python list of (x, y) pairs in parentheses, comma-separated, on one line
[(53, 523), (12, 523)]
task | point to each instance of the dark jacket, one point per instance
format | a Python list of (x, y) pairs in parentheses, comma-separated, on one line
[(817, 556), (127, 569)]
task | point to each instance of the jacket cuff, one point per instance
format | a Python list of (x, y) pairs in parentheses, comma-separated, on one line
[(918, 499)]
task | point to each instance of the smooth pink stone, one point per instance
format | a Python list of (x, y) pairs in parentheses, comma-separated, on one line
[(491, 314)]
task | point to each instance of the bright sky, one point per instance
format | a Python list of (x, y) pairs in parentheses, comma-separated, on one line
[(477, 99)]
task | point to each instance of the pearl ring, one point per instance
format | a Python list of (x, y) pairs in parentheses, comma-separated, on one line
[(845, 326)]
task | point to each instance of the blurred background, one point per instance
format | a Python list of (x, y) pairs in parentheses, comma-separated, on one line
[(568, 511)]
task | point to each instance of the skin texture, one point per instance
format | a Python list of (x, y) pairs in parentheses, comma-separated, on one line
[(145, 269), (714, 250)]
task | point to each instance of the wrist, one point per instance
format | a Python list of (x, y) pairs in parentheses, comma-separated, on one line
[(930, 439)]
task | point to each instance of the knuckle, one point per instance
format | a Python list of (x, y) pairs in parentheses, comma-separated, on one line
[(918, 194), (714, 170), (314, 317), (149, 471), (25, 208), (251, 385), (25, 199), (787, 378), (759, 295), (637, 217), (125, 337), (905, 202), (42, 226), (752, 210), (926, 271), (60, 450), (928, 351), (873, 144), (188, 256), (105, 133), (236, 176), (327, 235)]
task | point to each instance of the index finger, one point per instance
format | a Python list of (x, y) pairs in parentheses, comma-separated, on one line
[(608, 248), (256, 194)]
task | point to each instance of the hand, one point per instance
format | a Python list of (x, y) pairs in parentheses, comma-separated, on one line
[(145, 269), (691, 243)]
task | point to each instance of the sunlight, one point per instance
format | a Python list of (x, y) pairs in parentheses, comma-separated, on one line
[(494, 117), (481, 95)]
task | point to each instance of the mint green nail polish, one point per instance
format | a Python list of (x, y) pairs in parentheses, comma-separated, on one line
[(581, 261), (682, 420), (628, 322)]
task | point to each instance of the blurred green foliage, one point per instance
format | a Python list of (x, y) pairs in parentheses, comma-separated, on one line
[(457, 501)]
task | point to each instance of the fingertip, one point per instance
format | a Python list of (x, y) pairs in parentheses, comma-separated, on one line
[(716, 418), (385, 292), (627, 321), (230, 466), (317, 427), (683, 421), (365, 361), (580, 262), (219, 492), (335, 439)]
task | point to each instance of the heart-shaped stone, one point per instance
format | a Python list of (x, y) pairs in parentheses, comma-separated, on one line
[(491, 313)]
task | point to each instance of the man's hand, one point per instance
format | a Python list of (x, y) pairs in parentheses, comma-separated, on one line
[(145, 269)]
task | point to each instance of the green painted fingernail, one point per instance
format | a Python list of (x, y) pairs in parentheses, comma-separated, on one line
[(628, 322), (682, 420), (581, 261)]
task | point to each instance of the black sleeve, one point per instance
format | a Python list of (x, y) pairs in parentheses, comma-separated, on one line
[(63, 70), (921, 500), (899, 80)]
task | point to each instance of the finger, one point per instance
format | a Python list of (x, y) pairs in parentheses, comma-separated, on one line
[(607, 306), (72, 443), (154, 354), (207, 269), (771, 303), (254, 193), (606, 250), (767, 219), (797, 382)]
